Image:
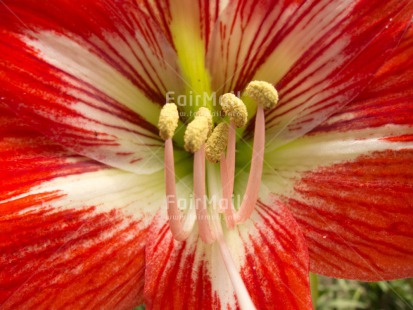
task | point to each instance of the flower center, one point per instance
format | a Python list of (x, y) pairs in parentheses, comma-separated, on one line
[(210, 144), (217, 145)]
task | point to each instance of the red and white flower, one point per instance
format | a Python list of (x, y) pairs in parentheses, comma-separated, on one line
[(83, 217)]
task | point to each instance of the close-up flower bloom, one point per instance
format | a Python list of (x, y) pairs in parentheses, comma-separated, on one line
[(202, 154)]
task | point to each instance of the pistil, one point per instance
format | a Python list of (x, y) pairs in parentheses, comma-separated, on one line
[(243, 296), (241, 291)]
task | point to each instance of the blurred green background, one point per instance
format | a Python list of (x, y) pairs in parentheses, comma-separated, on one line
[(337, 294)]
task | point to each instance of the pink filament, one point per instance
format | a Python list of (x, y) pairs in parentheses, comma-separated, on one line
[(228, 209), (174, 214), (231, 156), (227, 177), (254, 179), (243, 296), (200, 199)]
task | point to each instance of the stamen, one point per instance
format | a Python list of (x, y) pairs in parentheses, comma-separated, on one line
[(217, 143), (168, 121), (237, 112), (231, 156), (254, 179), (204, 112), (227, 186), (235, 109), (265, 96), (263, 93), (213, 148), (196, 134), (205, 231), (174, 214)]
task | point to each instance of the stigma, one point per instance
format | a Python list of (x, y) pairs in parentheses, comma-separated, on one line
[(217, 145)]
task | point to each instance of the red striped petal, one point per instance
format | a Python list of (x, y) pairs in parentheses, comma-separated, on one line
[(357, 217), (323, 57), (348, 182), (72, 232), (206, 10), (351, 193), (269, 252), (386, 102), (243, 38), (95, 85)]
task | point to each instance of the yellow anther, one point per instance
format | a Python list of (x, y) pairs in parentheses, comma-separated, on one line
[(196, 134), (235, 109), (168, 120), (217, 143), (263, 93), (204, 112)]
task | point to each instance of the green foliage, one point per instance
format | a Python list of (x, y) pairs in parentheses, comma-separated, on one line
[(338, 294)]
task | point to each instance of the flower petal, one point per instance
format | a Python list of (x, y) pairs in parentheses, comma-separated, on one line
[(243, 38), (348, 42), (189, 25), (320, 58), (269, 252), (387, 101), (357, 217), (95, 85), (204, 13), (72, 232), (348, 182)]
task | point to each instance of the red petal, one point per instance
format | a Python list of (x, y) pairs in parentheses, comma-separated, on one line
[(269, 251), (244, 36), (324, 56), (95, 85), (207, 11), (357, 217), (349, 181), (72, 232), (332, 74), (387, 101), (351, 192)]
